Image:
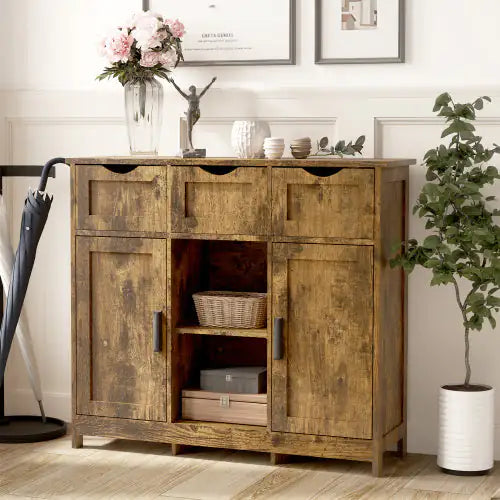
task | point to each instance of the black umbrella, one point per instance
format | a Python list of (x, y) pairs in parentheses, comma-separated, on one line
[(35, 213)]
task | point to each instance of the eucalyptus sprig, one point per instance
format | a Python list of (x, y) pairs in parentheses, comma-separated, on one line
[(341, 148), (464, 244)]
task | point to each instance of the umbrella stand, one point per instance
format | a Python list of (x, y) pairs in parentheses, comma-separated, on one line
[(26, 428)]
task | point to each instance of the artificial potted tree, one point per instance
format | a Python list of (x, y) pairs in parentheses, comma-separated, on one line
[(463, 252)]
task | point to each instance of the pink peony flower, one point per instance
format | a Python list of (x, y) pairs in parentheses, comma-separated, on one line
[(176, 27), (146, 29), (149, 59), (117, 46), (168, 59)]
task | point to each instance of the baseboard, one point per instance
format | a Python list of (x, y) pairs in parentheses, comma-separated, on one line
[(22, 402)]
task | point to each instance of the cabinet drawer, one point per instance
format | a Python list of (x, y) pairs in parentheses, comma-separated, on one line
[(340, 205), (134, 201), (249, 409), (233, 203)]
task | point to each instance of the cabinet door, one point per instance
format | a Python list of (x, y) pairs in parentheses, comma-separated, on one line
[(323, 383), (120, 283)]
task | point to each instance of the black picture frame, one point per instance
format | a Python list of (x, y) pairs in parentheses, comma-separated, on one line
[(318, 55), (290, 61)]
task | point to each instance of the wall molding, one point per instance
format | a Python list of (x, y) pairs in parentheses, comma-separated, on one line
[(381, 122), (12, 122)]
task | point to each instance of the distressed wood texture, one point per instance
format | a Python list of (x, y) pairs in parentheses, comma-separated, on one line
[(225, 332), (340, 205), (317, 236), (112, 201), (120, 283), (237, 162), (323, 384), (393, 299), (390, 303), (219, 435), (235, 203)]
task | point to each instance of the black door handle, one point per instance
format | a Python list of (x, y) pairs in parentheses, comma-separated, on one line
[(157, 331), (278, 347)]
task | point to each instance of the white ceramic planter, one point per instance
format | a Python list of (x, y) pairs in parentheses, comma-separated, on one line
[(247, 138), (466, 430)]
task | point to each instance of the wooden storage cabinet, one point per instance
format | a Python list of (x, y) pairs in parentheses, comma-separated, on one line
[(316, 235)]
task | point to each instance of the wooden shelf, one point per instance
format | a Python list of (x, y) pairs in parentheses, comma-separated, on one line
[(260, 333)]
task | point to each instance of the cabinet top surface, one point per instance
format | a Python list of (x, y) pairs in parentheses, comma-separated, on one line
[(238, 162)]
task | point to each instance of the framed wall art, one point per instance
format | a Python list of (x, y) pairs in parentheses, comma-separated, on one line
[(360, 31), (233, 32)]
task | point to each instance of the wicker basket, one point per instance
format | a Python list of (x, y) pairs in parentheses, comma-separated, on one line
[(231, 309)]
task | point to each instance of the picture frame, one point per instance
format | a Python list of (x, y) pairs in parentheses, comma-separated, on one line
[(283, 54), (392, 48)]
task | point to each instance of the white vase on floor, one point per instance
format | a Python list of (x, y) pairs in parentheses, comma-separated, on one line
[(247, 138), (466, 429)]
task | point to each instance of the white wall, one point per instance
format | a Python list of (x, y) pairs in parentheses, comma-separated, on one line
[(50, 105), (52, 46)]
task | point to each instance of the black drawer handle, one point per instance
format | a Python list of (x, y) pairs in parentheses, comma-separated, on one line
[(323, 171), (120, 169), (157, 331), (278, 339), (218, 169)]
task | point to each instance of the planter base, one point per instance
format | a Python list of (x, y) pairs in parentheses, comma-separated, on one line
[(465, 472)]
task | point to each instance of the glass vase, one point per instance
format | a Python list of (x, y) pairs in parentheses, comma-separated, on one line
[(144, 114)]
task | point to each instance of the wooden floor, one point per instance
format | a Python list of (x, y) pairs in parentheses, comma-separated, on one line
[(130, 470)]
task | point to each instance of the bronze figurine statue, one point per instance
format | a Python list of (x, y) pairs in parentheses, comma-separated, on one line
[(193, 115)]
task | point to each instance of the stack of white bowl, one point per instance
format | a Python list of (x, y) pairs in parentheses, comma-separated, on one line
[(301, 148), (274, 147)]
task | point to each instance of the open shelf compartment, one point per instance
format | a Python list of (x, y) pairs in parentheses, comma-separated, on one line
[(200, 265)]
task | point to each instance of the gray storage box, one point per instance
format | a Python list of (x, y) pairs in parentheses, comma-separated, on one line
[(238, 380)]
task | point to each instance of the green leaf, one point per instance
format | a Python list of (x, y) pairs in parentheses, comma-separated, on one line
[(360, 140), (476, 298), (431, 242), (430, 175), (492, 171), (442, 100), (493, 301), (323, 143), (432, 263)]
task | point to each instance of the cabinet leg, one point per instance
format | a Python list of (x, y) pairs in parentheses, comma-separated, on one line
[(378, 460), (279, 459), (402, 452), (77, 439), (179, 449)]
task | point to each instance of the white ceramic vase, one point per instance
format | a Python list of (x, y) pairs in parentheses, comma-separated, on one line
[(466, 430), (247, 138)]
